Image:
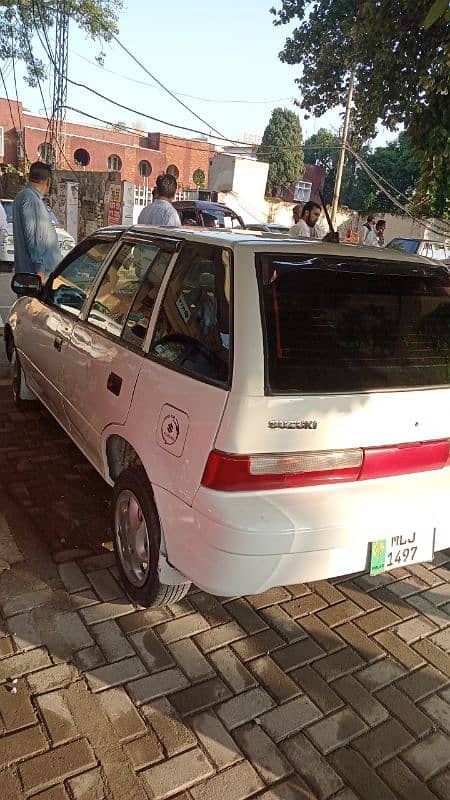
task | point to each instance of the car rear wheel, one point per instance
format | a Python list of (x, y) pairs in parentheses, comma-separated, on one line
[(137, 541)]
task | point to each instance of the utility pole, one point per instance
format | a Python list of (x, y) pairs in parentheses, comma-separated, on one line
[(340, 167), (59, 100)]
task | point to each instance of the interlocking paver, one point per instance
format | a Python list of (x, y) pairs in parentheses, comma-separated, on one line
[(383, 742), (58, 718), (317, 689), (337, 664), (277, 683), (297, 654), (189, 657), (173, 734), (362, 778), (201, 696), (328, 639), (16, 710), (399, 649), (364, 703), (244, 707), (111, 641), (152, 686), (122, 713), (177, 773), (232, 669), (380, 674), (313, 767), (285, 625), (268, 760), (72, 577), (438, 710), (182, 627), (238, 782), (17, 665), (51, 678), (336, 730), (56, 765), (144, 751), (115, 674), (360, 642), (403, 782), (22, 744), (400, 706), (221, 748), (422, 682), (246, 616), (429, 756), (151, 651), (289, 718)]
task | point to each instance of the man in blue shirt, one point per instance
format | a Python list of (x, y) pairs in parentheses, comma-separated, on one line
[(36, 247)]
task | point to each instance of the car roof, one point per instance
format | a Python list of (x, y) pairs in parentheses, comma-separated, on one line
[(263, 241), (204, 205)]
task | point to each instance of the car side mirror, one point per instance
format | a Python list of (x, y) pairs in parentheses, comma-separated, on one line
[(26, 284)]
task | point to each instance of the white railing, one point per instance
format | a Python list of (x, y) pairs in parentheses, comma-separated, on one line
[(143, 195)]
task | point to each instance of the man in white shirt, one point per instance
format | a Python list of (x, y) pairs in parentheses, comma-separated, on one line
[(306, 225), (367, 234), (161, 212)]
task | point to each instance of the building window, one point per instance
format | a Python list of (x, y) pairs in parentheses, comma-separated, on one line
[(46, 152), (114, 163), (145, 169), (199, 178), (173, 170), (81, 157)]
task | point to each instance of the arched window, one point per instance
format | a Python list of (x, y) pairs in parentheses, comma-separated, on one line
[(46, 152), (173, 170), (145, 169), (81, 157), (114, 163)]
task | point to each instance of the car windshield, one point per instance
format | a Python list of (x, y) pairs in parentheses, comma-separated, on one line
[(336, 324), (7, 205), (408, 245)]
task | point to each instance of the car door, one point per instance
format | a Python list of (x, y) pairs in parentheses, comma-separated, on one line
[(184, 384), (104, 354), (52, 317)]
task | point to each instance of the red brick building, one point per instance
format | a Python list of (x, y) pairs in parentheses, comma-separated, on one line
[(140, 158)]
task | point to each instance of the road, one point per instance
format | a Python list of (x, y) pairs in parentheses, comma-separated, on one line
[(335, 690)]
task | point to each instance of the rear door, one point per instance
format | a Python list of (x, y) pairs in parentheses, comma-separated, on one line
[(104, 355), (184, 384)]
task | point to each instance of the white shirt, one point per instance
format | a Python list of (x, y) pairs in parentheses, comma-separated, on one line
[(161, 213), (301, 229), (371, 239)]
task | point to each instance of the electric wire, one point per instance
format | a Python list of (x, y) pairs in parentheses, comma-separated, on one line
[(19, 113)]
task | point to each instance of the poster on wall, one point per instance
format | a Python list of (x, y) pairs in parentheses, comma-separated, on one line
[(128, 203), (72, 209), (114, 206)]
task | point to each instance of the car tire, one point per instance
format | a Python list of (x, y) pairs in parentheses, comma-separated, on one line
[(137, 540), (20, 393)]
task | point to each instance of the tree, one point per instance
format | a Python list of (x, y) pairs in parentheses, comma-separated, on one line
[(282, 147), (401, 73), (119, 126), (20, 20), (323, 148)]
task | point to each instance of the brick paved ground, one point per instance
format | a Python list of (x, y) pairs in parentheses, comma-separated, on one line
[(337, 690)]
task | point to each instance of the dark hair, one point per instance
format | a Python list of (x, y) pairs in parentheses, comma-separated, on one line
[(166, 186), (380, 224), (39, 172), (309, 206), (371, 217)]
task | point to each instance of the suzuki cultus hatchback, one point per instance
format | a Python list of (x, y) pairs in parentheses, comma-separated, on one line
[(269, 411)]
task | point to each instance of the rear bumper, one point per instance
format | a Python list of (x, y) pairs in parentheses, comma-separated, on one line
[(244, 543)]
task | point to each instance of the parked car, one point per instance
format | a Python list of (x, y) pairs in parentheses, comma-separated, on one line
[(422, 247), (267, 227), (66, 241), (207, 214), (267, 411)]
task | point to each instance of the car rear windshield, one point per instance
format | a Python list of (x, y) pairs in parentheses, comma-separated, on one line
[(408, 245), (335, 324)]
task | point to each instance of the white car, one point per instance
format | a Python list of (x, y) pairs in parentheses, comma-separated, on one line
[(66, 241), (269, 411)]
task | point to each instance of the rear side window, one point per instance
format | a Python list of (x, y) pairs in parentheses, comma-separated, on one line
[(408, 245), (344, 325), (193, 330)]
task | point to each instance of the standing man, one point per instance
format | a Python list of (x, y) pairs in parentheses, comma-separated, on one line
[(36, 247), (367, 235), (306, 225), (161, 212), (380, 228)]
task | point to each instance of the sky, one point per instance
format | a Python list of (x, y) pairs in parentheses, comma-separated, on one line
[(210, 54)]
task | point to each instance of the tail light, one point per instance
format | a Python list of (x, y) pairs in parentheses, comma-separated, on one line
[(237, 473)]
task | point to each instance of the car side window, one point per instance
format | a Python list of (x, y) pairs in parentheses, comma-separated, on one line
[(70, 287), (140, 313), (119, 285), (193, 330)]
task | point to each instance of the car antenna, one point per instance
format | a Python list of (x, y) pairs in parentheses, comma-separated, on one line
[(332, 235)]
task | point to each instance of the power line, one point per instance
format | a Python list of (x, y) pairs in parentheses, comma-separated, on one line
[(19, 113), (180, 94)]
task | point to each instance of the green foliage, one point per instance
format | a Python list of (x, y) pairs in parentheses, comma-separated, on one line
[(401, 68), (439, 9), (19, 21), (281, 148), (323, 148), (119, 126)]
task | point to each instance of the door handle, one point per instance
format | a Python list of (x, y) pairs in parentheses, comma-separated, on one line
[(57, 344), (114, 383)]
